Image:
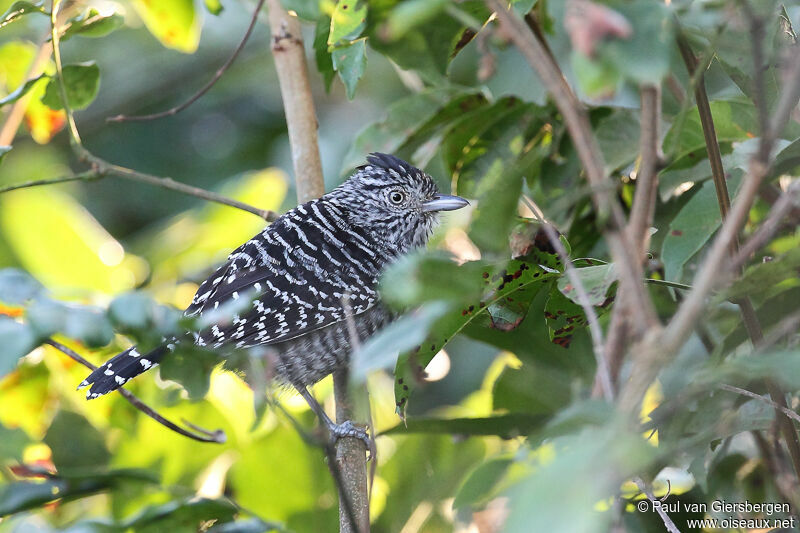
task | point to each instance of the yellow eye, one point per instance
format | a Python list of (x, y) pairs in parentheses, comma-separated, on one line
[(397, 197)]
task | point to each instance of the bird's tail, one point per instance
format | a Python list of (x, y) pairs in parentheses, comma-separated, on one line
[(115, 372)]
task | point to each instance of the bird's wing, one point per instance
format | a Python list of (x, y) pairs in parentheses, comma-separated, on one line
[(292, 278)]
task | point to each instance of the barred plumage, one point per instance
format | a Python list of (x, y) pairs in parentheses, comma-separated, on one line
[(299, 277)]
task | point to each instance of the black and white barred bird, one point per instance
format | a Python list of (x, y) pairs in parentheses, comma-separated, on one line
[(300, 277)]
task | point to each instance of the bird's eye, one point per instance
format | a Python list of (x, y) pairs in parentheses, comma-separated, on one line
[(397, 197)]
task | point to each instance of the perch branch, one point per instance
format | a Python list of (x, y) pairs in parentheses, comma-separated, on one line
[(199, 94), (301, 121), (202, 435), (298, 102)]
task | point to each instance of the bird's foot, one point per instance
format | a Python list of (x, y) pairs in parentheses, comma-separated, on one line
[(348, 429)]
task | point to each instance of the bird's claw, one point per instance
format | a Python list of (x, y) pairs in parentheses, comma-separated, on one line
[(348, 429)]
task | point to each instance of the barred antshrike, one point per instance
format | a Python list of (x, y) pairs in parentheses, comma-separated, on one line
[(302, 276)]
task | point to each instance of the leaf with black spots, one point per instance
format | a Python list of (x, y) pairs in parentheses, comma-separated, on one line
[(509, 287)]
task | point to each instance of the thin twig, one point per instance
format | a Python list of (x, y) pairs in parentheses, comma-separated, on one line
[(668, 523), (785, 410), (88, 175), (786, 202), (55, 37), (643, 209), (595, 331), (202, 435), (196, 96), (103, 166)]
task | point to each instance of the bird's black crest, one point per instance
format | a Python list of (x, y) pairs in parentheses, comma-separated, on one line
[(389, 161)]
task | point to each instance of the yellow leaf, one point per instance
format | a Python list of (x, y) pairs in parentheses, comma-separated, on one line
[(173, 22)]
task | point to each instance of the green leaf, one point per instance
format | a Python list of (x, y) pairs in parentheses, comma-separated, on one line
[(618, 138), (347, 21), (408, 15), (18, 287), (248, 525), (734, 120), (3, 151), (645, 57), (20, 91), (350, 61), (380, 350), (24, 495), (598, 78), (12, 442), (75, 443), (693, 227), (563, 317), (321, 53), (426, 48), (213, 6), (19, 9), (81, 81), (88, 325), (16, 340), (475, 286), (478, 487), (767, 279), (93, 24), (181, 515), (411, 121), (596, 279), (191, 367), (611, 453)]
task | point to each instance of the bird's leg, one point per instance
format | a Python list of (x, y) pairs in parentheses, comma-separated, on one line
[(337, 431)]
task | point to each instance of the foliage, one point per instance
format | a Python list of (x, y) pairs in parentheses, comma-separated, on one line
[(491, 367)]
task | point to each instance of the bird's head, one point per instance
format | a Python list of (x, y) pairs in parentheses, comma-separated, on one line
[(395, 201)]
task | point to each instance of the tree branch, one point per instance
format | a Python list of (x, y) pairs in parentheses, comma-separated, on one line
[(610, 215), (298, 103), (202, 435), (643, 209), (716, 268), (104, 169), (199, 94)]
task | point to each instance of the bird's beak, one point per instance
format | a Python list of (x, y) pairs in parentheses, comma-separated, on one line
[(444, 202)]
